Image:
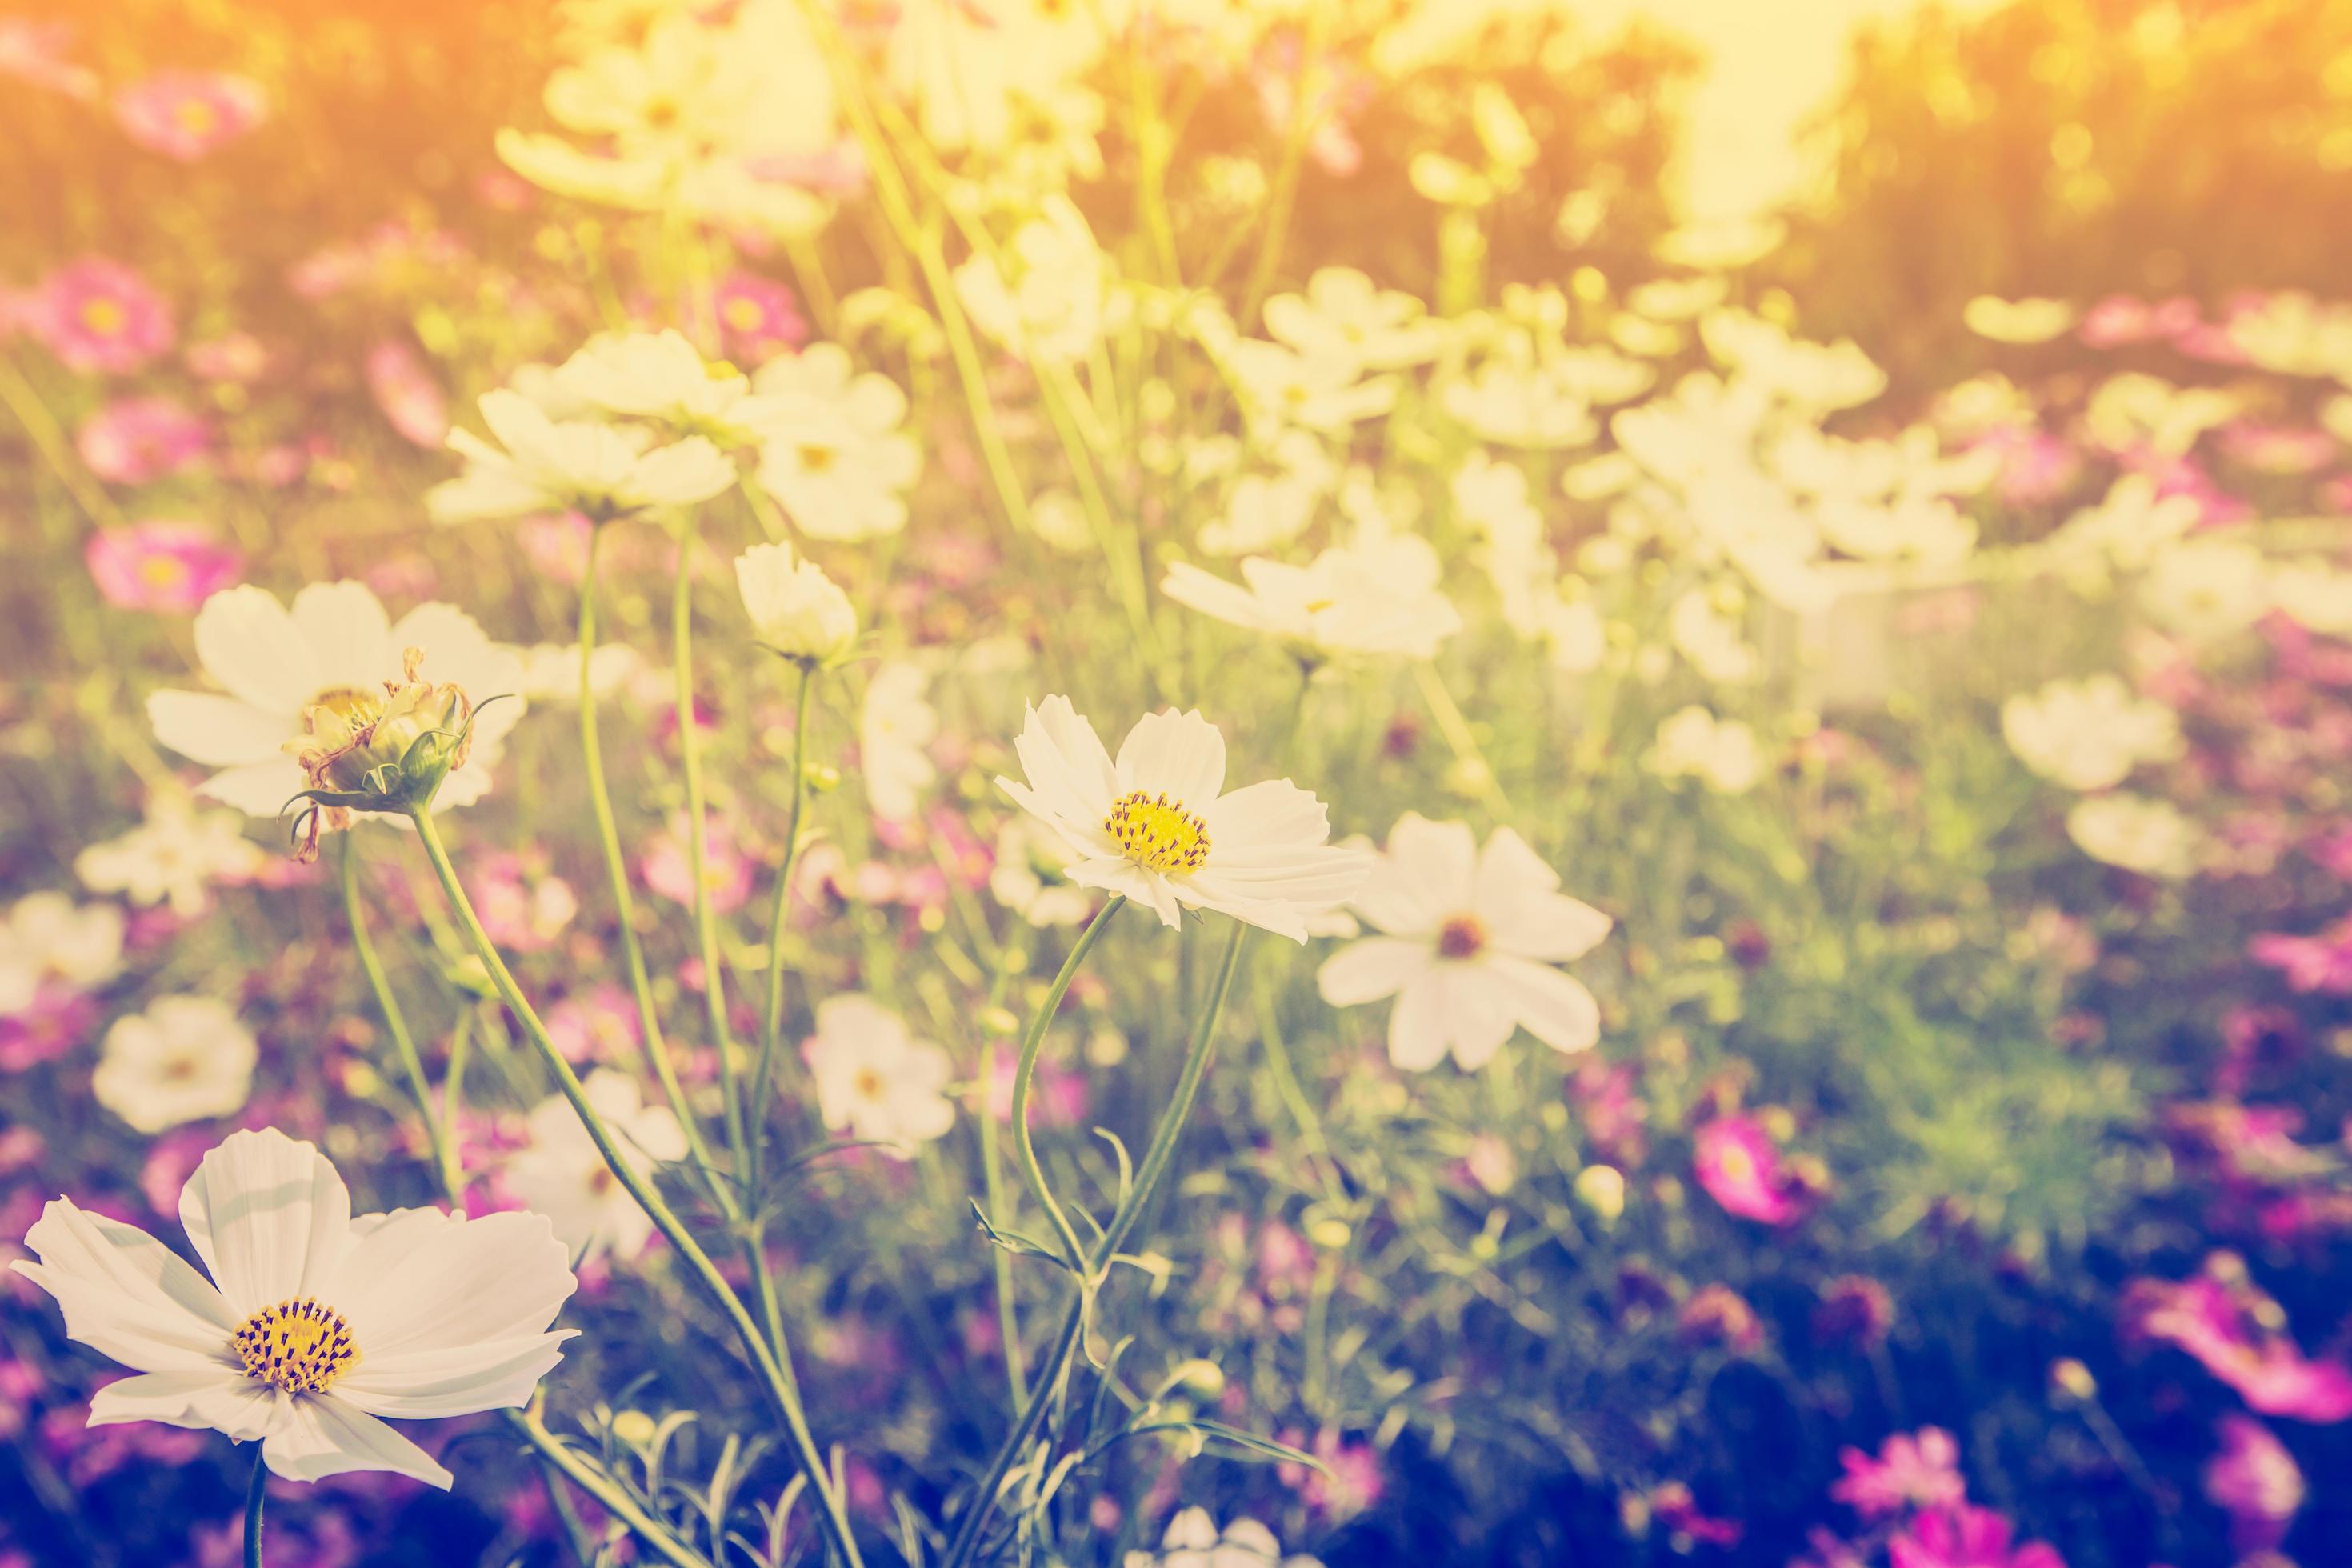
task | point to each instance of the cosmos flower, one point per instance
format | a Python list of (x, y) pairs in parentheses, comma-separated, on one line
[(2136, 832), (2089, 734), (1043, 296), (184, 115), (874, 1079), (1912, 1469), (663, 377), (836, 457), (1467, 945), (1965, 1537), (1158, 824), (559, 1173), (164, 565), (1694, 743), (2017, 320), (2239, 1335), (314, 1324), (895, 729), (795, 609), (1193, 1541), (48, 944), (2256, 1481), (335, 649), (99, 315), (1344, 315), (758, 316), (1377, 597), (137, 440), (599, 470), (185, 1059), (173, 856), (1741, 1167)]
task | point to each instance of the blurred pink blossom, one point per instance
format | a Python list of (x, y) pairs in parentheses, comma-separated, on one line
[(233, 358), (137, 440), (98, 315), (2220, 1318), (411, 400), (165, 566), (35, 52), (1912, 1469), (668, 866), (188, 114), (2322, 962), (758, 316), (2256, 1481), (1741, 1167), (1964, 1537)]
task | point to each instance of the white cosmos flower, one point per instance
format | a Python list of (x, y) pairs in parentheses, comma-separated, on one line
[(314, 1323), (874, 1080), (663, 377), (1468, 938), (1344, 316), (1193, 1541), (1375, 596), (48, 938), (334, 648), (555, 466), (183, 1059), (835, 457), (794, 607), (1694, 743), (173, 856), (894, 726), (561, 1174), (1158, 826), (1025, 853), (2136, 832), (2089, 734)]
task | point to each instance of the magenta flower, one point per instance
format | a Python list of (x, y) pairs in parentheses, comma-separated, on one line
[(405, 391), (2321, 962), (165, 566), (137, 440), (188, 114), (1741, 1167), (2256, 1481), (99, 315), (1673, 1506), (1964, 1537), (2222, 1319), (597, 1024), (758, 316), (1913, 1469)]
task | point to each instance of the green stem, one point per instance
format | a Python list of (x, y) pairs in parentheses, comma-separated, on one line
[(706, 918), (772, 1031), (615, 1500), (625, 903), (1155, 1161), (1008, 1313), (781, 1387), (412, 1066), (253, 1499), (1024, 1153)]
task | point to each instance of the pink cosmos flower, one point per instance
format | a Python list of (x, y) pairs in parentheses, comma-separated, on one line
[(2036, 467), (99, 315), (597, 1024), (1913, 1469), (35, 52), (165, 566), (523, 906), (758, 316), (1964, 1537), (1738, 1164), (2221, 1319), (1057, 1096), (137, 440), (2256, 1481), (405, 391), (2321, 962), (1349, 1483), (668, 867), (235, 359), (186, 114)]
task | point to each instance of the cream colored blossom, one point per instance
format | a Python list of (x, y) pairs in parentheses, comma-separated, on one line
[(895, 728), (2137, 833), (185, 1059), (795, 608), (874, 1079), (48, 940), (173, 856), (836, 456), (1721, 753), (2089, 734)]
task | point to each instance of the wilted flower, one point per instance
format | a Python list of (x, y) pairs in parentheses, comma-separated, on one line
[(162, 565), (874, 1079), (183, 1059), (559, 1173), (796, 610), (186, 114), (599, 470), (387, 753), (2089, 734), (1469, 937), (1717, 1314), (314, 1325), (99, 315), (1159, 825), (173, 856)]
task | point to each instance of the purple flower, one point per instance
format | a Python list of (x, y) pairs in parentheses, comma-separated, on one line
[(1913, 1469)]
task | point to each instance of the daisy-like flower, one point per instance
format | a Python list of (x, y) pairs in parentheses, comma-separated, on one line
[(186, 114), (48, 944), (1159, 825), (1468, 938), (183, 1059), (1343, 315), (1694, 743), (895, 724), (1193, 1541), (314, 1325), (563, 1176), (174, 856), (334, 651), (1282, 389), (1047, 295), (663, 377), (1376, 597), (99, 315), (795, 608), (602, 471), (835, 457), (874, 1080), (162, 565), (2089, 734), (2136, 832)]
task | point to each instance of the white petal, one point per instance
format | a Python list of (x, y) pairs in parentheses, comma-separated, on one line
[(345, 624), (219, 1397), (1270, 812), (218, 732), (270, 1218), (1436, 861), (1181, 754), (1554, 1008), (1369, 970), (1070, 775), (422, 1281), (259, 789), (248, 642), (126, 1294), (1420, 1029), (1518, 901), (429, 1384), (320, 1436), (1116, 874), (1484, 1016), (455, 648)]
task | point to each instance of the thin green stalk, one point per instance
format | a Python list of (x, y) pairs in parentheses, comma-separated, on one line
[(1147, 1176), (253, 1499), (1008, 1315), (412, 1066), (781, 1387), (706, 917), (771, 1030), (43, 428), (1024, 1152), (1303, 115), (597, 1484), (625, 903)]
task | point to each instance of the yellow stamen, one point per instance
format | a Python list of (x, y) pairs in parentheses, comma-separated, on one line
[(1158, 833), (297, 1346)]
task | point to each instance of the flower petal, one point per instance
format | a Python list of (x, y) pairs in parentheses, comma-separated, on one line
[(1369, 970), (320, 1436), (346, 625), (218, 1397), (1270, 812), (1554, 1008), (270, 1218), (218, 732), (427, 1384), (1421, 1029), (259, 788), (419, 1280), (248, 642), (1181, 754), (126, 1294), (1518, 900)]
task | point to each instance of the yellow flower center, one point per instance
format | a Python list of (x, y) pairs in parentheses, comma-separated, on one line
[(744, 315), (1158, 833), (1737, 1164), (869, 1085), (347, 703), (298, 1347), (816, 459), (1461, 937), (163, 570), (105, 317), (195, 116)]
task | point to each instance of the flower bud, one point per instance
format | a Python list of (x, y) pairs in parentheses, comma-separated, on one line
[(361, 751), (794, 607)]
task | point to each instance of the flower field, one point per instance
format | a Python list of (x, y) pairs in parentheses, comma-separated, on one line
[(1155, 783)]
